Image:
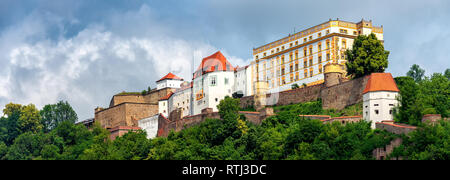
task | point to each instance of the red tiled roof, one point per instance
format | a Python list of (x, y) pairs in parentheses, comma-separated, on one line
[(167, 96), (170, 76), (381, 82), (214, 62)]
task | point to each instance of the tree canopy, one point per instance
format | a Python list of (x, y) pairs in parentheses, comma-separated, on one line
[(366, 56), (416, 73)]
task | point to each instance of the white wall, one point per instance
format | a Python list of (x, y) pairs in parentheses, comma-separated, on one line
[(213, 93), (181, 99), (149, 125), (163, 107), (383, 102), (168, 83)]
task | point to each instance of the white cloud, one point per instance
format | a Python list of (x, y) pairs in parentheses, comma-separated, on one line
[(88, 68)]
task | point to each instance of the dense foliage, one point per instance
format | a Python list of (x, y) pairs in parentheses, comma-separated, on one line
[(429, 95), (366, 56), (429, 142), (284, 136)]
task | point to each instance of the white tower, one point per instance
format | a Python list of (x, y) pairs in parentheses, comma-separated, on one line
[(379, 98)]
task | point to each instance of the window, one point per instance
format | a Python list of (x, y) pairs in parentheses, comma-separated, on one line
[(278, 49), (344, 43), (306, 73), (311, 72), (375, 105), (291, 68), (304, 40), (291, 57), (376, 111), (264, 54), (310, 38), (319, 35), (320, 58), (272, 52), (213, 80), (256, 57), (296, 66), (296, 43), (310, 62), (305, 63), (391, 104), (290, 45), (282, 71), (310, 50), (319, 47), (328, 44), (320, 68), (217, 99), (328, 31), (390, 111), (355, 33), (226, 79), (343, 31), (296, 54), (328, 56), (282, 47)]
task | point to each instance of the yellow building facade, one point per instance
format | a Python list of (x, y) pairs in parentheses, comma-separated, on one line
[(299, 58)]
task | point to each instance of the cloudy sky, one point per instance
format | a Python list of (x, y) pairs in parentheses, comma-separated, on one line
[(86, 51)]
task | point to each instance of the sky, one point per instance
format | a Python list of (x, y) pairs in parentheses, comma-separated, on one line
[(85, 51)]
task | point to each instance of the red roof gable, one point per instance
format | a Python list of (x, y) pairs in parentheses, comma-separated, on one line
[(170, 76), (167, 96), (381, 82), (214, 62)]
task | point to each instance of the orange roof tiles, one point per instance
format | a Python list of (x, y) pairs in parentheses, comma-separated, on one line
[(170, 76), (214, 62), (167, 96), (380, 82)]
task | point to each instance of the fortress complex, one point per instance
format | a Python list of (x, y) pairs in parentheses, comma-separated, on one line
[(314, 57), (300, 58)]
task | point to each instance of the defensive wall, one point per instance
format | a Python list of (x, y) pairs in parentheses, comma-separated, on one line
[(125, 114), (126, 109), (337, 96)]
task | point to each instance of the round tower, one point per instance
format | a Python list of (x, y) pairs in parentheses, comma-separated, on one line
[(333, 73)]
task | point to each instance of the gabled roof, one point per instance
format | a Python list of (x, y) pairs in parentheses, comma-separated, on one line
[(214, 62), (166, 97), (170, 76), (381, 82)]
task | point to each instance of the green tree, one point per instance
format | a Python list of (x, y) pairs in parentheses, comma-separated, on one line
[(295, 86), (416, 73), (30, 120), (54, 114), (447, 74), (435, 93), (367, 56), (410, 108)]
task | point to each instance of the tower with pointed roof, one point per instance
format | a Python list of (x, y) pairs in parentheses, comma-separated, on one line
[(379, 98), (169, 81), (213, 80)]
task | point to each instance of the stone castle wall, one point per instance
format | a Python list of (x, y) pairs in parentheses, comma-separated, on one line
[(126, 110), (125, 114), (344, 94), (395, 128), (151, 97), (335, 97)]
